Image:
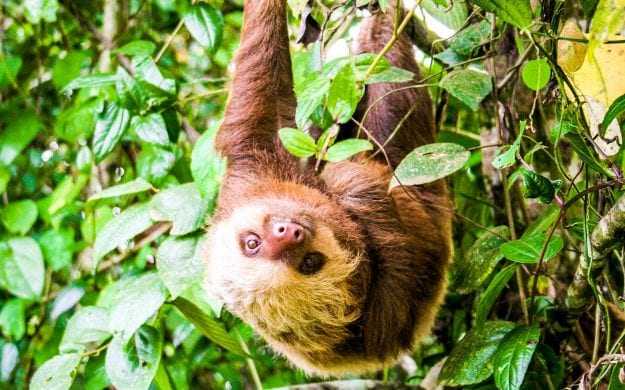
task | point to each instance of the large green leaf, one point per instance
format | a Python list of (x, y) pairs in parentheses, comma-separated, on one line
[(21, 268), (89, 325), (476, 265), (132, 364), (205, 24), (57, 373), (9, 68), (132, 187), (536, 74), (472, 360), (492, 292), (207, 166), (297, 142), (90, 81), (516, 12), (452, 14), (179, 263), (109, 129), (12, 319), (528, 249), (428, 163), (57, 247), (609, 19), (18, 217), (121, 229), (21, 129), (135, 304), (151, 128), (183, 206), (345, 149), (344, 94), (616, 109), (470, 85), (471, 37), (209, 327), (514, 355)]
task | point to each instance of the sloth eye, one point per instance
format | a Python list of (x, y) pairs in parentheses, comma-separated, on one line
[(311, 263), (251, 244)]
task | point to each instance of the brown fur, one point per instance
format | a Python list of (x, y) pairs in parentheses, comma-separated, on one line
[(387, 254)]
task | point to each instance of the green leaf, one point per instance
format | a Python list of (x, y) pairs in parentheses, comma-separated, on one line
[(209, 327), (297, 142), (179, 264), (19, 217), (68, 68), (9, 68), (132, 95), (12, 319), (538, 186), (66, 299), (543, 222), (119, 230), (517, 13), (95, 373), (206, 25), (9, 357), (183, 206), (471, 361), (428, 163), (527, 250), (151, 128), (66, 192), (584, 153), (136, 47), (109, 129), (508, 158), (345, 149), (470, 85), (391, 75), (132, 187), (91, 81), (344, 94), (471, 270), (37, 10), (492, 292), (154, 163), (21, 129), (536, 74), (5, 177), (616, 109), (158, 88), (57, 247), (310, 94), (471, 37), (135, 304), (449, 57), (207, 166), (609, 19), (514, 355), (57, 373), (88, 327), (453, 15), (77, 122), (21, 268), (132, 365)]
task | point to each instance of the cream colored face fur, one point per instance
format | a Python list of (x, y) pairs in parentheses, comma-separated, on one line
[(284, 306)]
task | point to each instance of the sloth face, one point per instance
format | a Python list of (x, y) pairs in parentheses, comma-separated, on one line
[(277, 266)]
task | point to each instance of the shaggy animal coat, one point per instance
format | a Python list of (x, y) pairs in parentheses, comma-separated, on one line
[(386, 253)]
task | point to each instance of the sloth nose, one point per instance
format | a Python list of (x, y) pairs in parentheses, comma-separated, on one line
[(285, 236)]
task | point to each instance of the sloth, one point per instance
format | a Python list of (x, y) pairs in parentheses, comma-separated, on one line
[(337, 273)]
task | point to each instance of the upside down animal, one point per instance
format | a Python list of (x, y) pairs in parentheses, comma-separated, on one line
[(338, 274)]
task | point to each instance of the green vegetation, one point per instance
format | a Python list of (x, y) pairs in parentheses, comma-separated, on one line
[(107, 178)]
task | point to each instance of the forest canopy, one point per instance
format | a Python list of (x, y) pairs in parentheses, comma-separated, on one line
[(108, 179)]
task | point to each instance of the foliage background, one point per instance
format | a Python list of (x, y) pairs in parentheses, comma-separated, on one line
[(107, 176)]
